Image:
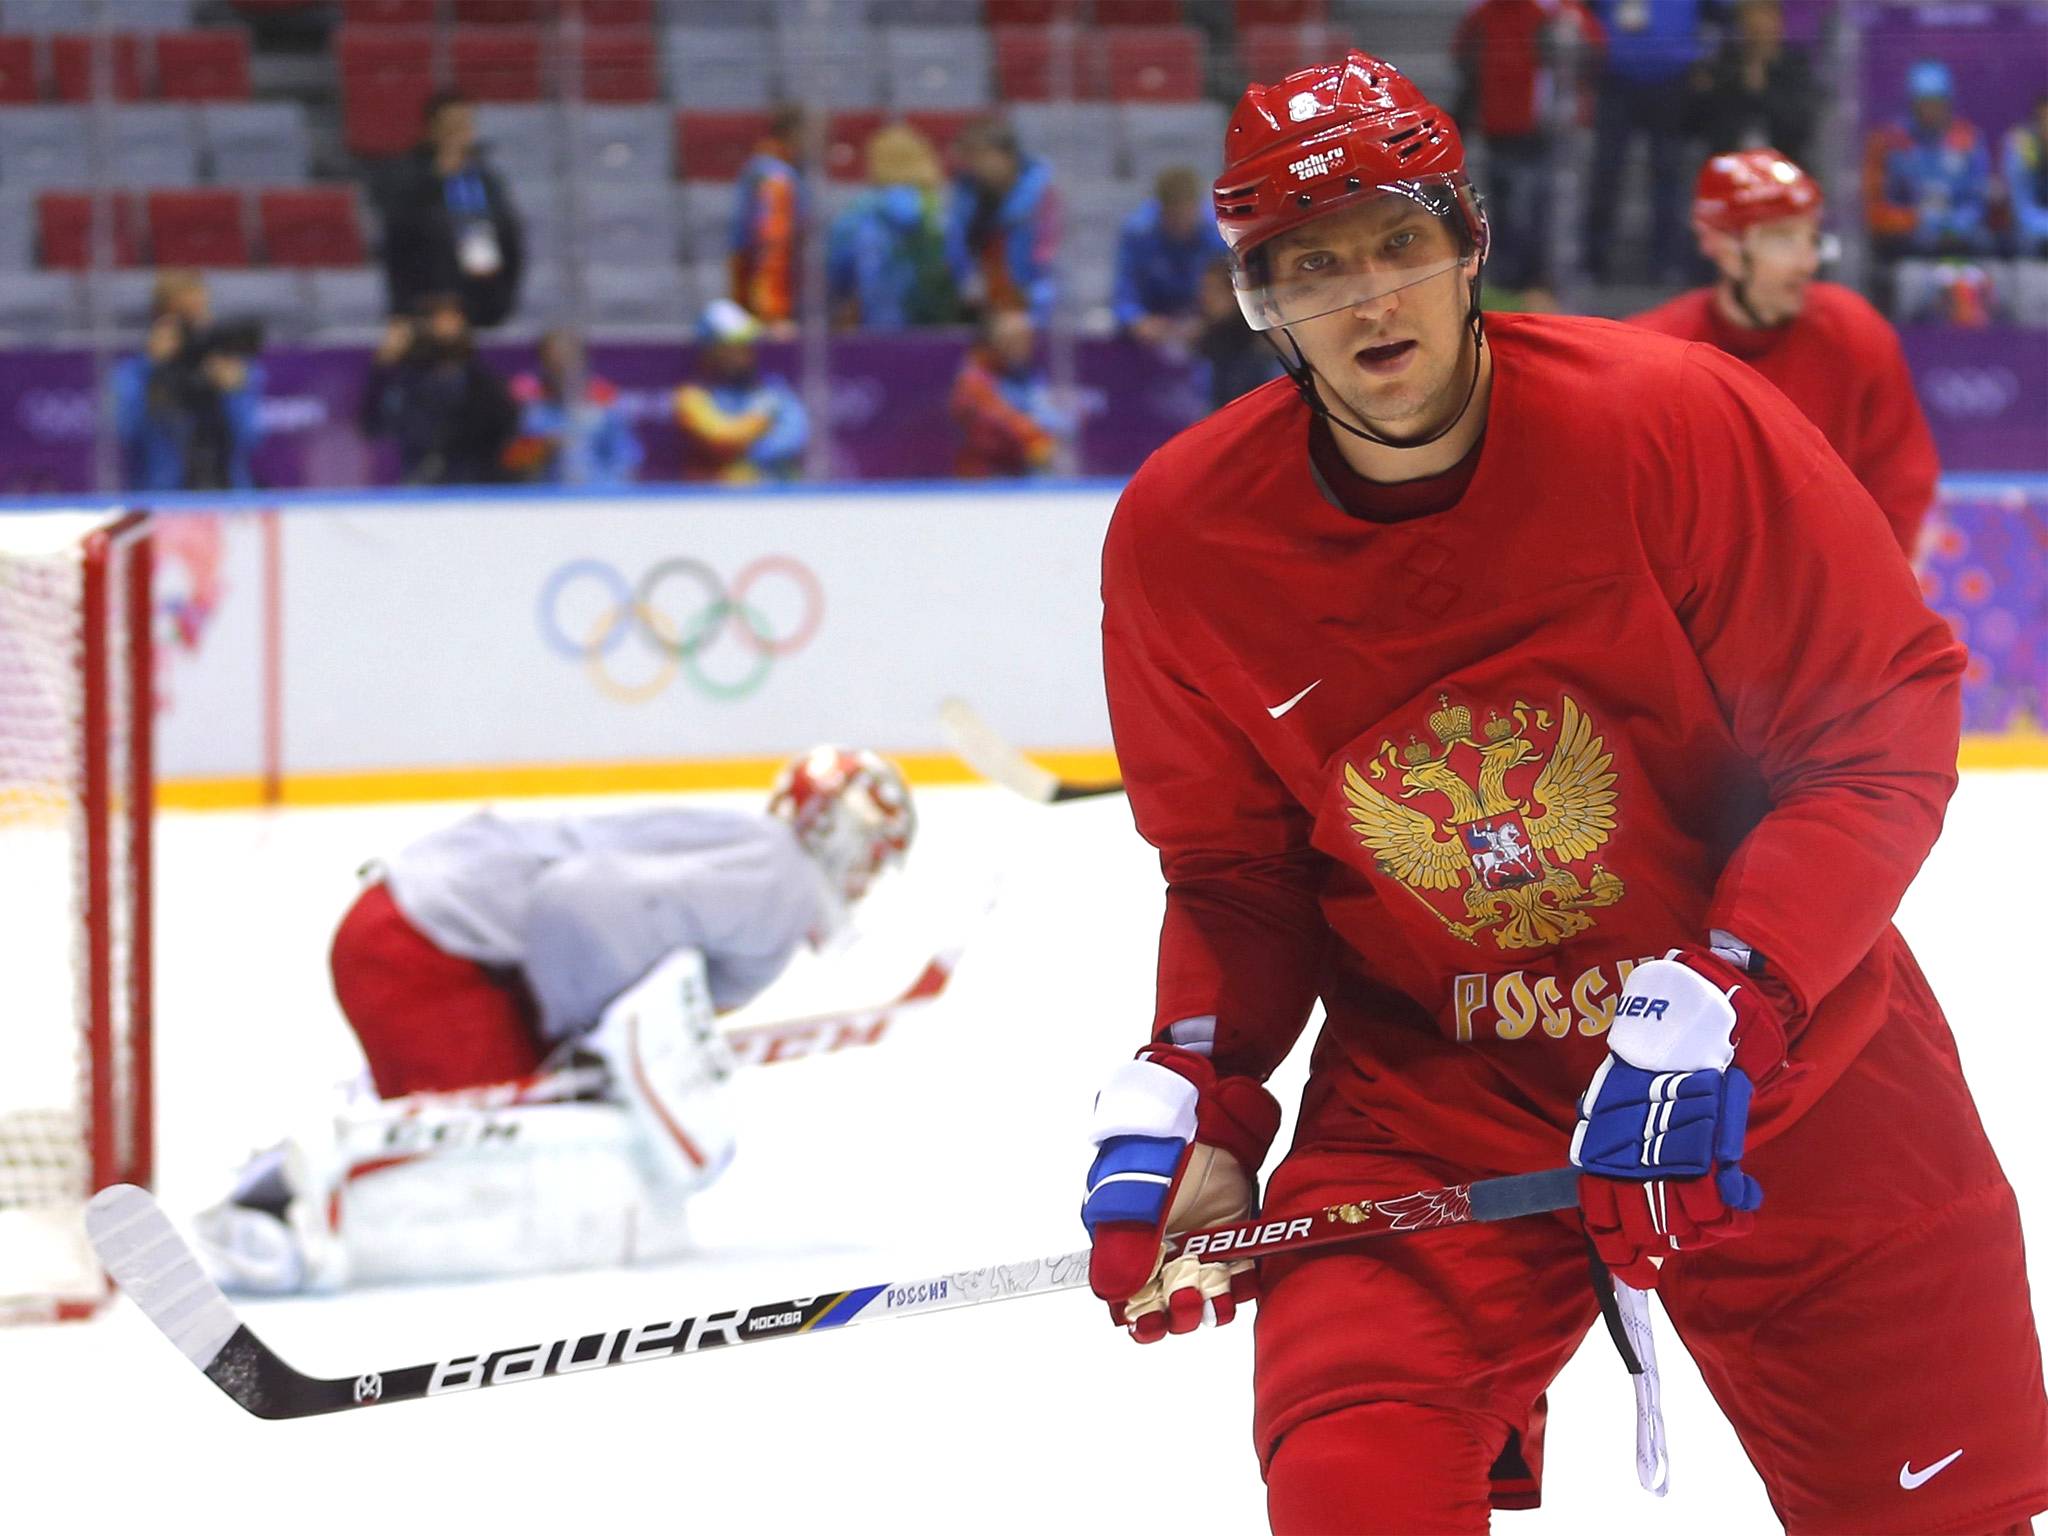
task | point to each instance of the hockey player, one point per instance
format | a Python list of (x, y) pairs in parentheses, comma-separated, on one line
[(1757, 216), (1608, 592), (537, 1001)]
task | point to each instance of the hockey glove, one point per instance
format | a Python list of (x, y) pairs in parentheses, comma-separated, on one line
[(1177, 1148), (1661, 1126)]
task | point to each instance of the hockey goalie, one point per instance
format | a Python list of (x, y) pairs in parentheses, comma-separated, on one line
[(537, 1004)]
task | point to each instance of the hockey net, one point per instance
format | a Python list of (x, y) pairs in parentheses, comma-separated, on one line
[(76, 691)]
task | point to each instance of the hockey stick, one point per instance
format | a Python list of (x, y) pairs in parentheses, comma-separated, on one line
[(151, 1262), (753, 1045), (981, 749)]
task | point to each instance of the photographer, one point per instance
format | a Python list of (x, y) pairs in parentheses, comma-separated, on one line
[(451, 417), (185, 408)]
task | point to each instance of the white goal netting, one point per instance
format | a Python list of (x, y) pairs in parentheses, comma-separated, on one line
[(75, 803)]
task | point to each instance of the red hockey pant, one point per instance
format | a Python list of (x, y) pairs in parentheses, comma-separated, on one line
[(427, 1020), (1875, 1320)]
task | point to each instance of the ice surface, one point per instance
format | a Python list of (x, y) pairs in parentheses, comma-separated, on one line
[(957, 1143)]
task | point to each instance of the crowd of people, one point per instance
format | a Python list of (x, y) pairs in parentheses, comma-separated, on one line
[(968, 235)]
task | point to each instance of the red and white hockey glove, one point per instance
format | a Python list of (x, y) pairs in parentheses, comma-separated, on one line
[(1661, 1126), (1177, 1148)]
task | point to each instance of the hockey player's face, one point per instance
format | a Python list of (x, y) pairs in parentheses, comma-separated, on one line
[(1775, 262), (1395, 361)]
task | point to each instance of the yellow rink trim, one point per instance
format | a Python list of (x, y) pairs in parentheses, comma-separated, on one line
[(2019, 749), (482, 782)]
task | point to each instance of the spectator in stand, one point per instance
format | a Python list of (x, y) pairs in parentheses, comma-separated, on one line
[(1759, 91), (1652, 47), (1758, 218), (740, 428), (450, 225), (1508, 52), (1165, 248), (1002, 229), (451, 417), (768, 222), (1009, 425), (1927, 181), (885, 260), (186, 408), (1239, 358), (2026, 181), (564, 444)]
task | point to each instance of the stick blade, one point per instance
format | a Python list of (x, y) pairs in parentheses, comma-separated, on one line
[(140, 1248), (992, 757)]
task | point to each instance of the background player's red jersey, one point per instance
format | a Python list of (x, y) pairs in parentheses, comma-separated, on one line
[(1841, 364), (1658, 671)]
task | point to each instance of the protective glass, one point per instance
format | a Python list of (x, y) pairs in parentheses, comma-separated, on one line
[(1789, 240), (1356, 254)]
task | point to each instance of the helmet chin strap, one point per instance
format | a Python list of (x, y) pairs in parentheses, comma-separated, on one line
[(1303, 374), (1738, 290)]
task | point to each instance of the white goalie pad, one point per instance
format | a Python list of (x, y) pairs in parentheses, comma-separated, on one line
[(669, 1066)]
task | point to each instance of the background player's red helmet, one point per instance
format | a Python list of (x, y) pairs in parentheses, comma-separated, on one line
[(1751, 186), (1327, 138), (851, 811)]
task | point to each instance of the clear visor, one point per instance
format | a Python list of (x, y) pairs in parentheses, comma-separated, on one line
[(1789, 241), (1353, 255)]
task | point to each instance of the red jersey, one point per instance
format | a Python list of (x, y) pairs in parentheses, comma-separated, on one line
[(1841, 364), (1656, 672)]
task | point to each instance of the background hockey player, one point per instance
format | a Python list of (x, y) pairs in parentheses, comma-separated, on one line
[(1758, 219), (1610, 592), (489, 964)]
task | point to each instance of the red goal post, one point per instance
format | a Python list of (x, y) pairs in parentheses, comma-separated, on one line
[(77, 692)]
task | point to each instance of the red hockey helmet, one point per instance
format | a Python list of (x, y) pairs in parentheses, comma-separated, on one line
[(1328, 138), (851, 811), (1749, 187)]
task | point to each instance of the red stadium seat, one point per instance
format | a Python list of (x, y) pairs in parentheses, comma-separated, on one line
[(386, 77), (1279, 13), (203, 66), (1025, 60), (390, 13), (311, 227), (502, 13), (615, 13), (712, 146), (18, 72), (497, 63), (64, 223), (619, 65), (1273, 53), (197, 227), (1029, 13), (1155, 64), (846, 143), (1137, 13), (71, 66)]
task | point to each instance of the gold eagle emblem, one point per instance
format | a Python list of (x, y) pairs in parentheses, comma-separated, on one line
[(1508, 853)]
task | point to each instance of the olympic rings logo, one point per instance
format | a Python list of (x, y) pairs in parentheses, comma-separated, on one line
[(686, 620)]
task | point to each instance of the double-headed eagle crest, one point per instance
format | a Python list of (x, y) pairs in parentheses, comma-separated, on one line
[(1508, 852)]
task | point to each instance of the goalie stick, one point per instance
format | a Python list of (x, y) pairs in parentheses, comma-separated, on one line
[(981, 749), (152, 1263)]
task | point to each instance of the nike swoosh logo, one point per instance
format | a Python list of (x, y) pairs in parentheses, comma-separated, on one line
[(1280, 709), (1909, 1479)]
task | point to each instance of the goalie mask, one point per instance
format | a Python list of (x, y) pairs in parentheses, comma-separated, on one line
[(851, 811)]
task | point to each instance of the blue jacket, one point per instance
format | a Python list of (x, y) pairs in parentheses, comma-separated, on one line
[(1650, 40), (1027, 239), (1158, 275), (155, 437), (888, 253), (2026, 180), (592, 446), (1944, 178)]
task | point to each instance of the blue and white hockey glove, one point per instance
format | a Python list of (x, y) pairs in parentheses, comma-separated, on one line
[(1661, 1126), (1177, 1148)]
